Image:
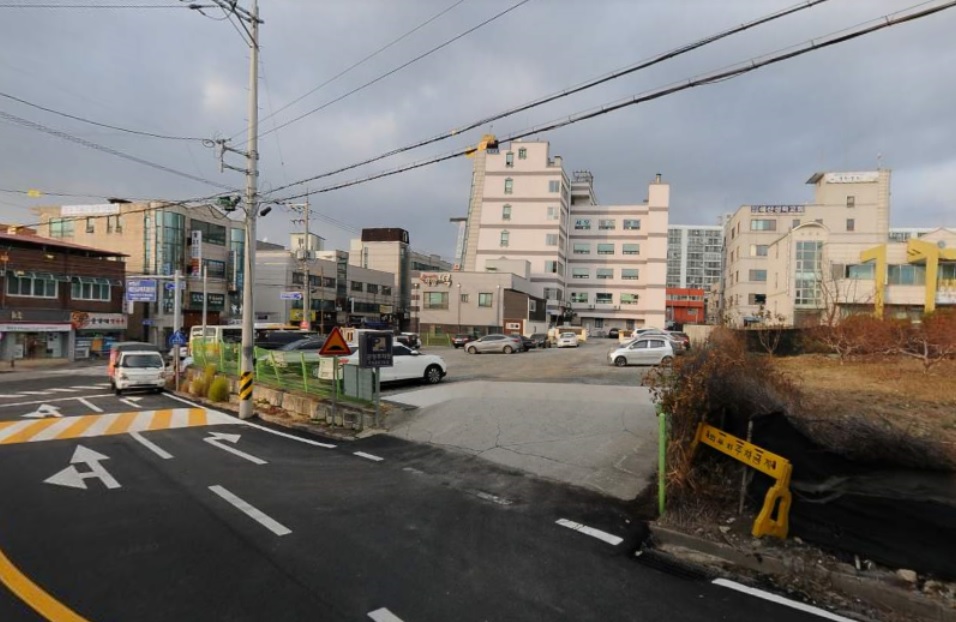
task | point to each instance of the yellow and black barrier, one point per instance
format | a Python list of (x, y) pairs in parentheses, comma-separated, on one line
[(773, 519), (245, 386)]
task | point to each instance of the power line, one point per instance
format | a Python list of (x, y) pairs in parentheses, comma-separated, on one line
[(363, 61), (812, 45), (654, 60), (119, 154), (106, 6), (97, 123), (398, 68)]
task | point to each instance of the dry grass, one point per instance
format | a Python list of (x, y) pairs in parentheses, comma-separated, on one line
[(888, 394)]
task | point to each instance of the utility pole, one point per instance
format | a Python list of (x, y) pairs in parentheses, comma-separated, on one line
[(305, 256)]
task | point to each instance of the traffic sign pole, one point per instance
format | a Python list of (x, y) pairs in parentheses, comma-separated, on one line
[(177, 320)]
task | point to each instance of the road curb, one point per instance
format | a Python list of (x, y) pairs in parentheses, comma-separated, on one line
[(878, 592)]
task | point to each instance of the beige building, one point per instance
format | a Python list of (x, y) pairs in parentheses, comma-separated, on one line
[(599, 266), (159, 239)]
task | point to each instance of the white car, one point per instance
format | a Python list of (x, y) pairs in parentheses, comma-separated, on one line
[(567, 340), (650, 350), (409, 364), (139, 370)]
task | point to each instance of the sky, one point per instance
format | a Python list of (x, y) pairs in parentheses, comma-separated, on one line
[(883, 100)]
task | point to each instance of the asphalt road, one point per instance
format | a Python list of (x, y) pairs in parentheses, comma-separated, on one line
[(153, 509)]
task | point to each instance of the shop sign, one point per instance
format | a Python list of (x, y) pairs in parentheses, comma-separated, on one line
[(215, 302), (866, 177), (776, 209), (106, 209), (433, 278), (35, 328), (97, 321)]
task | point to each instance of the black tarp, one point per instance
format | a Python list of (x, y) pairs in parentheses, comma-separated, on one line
[(901, 518)]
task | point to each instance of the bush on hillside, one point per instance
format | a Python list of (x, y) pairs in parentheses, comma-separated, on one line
[(198, 386), (219, 389)]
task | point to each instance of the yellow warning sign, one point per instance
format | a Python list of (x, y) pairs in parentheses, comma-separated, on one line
[(335, 344)]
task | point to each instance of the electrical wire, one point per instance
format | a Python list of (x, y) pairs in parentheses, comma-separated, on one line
[(106, 6), (395, 69), (108, 150), (654, 60), (97, 123), (812, 45)]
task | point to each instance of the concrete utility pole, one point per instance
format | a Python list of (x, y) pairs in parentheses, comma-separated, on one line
[(307, 292)]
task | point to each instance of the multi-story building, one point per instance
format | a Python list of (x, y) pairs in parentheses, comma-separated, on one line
[(853, 209), (600, 266), (58, 300), (159, 238), (686, 305), (694, 256)]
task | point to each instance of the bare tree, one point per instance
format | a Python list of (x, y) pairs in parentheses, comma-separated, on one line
[(932, 340)]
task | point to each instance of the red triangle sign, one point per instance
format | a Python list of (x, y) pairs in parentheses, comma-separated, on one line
[(335, 344)]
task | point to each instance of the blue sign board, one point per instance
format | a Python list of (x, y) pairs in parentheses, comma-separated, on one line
[(171, 285), (178, 339), (141, 290), (375, 349), (290, 295)]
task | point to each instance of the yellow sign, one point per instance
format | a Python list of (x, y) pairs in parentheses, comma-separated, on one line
[(335, 344), (34, 194)]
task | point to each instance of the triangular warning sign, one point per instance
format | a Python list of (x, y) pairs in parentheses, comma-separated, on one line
[(335, 344)]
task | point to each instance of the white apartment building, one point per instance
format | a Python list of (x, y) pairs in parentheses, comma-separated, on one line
[(694, 256), (599, 266)]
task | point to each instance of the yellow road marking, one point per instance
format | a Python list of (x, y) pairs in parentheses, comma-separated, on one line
[(26, 433), (34, 595), (121, 424), (197, 417), (161, 420), (6, 424), (77, 428)]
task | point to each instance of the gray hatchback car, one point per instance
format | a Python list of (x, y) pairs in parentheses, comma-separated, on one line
[(495, 343)]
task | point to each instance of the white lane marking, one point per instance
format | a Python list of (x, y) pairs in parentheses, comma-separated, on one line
[(780, 600), (33, 392), (44, 411), (130, 403), (594, 533), (64, 390), (257, 515), (54, 430), (180, 419), (89, 404), (10, 396), (362, 454), (216, 439), (57, 399), (87, 387), (150, 445), (252, 425), (13, 429), (103, 422), (71, 476), (383, 615), (102, 385)]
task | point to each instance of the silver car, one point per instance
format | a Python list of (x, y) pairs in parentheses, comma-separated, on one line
[(652, 350), (494, 343)]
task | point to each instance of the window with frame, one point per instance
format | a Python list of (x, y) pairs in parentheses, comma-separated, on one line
[(580, 273), (759, 250), (850, 201), (906, 274), (630, 274), (629, 299), (372, 288), (90, 291), (758, 276), (605, 249), (631, 249), (386, 290), (763, 224), (582, 224), (581, 249), (795, 223), (357, 286), (756, 299), (522, 154), (90, 226), (509, 159), (211, 232), (606, 224), (485, 299), (435, 300), (551, 239), (605, 273), (554, 186), (509, 186), (61, 228), (603, 297), (553, 213), (850, 224), (505, 212), (579, 296), (464, 298), (632, 224), (215, 269), (554, 267), (31, 287), (503, 241)]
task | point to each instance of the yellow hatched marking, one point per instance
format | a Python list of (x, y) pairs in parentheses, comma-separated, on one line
[(161, 420), (78, 428), (27, 433), (33, 595), (6, 424), (121, 424), (197, 417)]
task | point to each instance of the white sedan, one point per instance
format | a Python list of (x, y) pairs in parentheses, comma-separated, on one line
[(409, 364), (567, 340), (650, 350)]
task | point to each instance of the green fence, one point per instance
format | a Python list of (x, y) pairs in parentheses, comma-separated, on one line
[(439, 339)]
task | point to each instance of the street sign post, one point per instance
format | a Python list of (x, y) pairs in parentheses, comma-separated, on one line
[(375, 351), (141, 290), (178, 339)]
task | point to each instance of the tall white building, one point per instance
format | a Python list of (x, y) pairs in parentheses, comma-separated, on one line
[(600, 266), (694, 256)]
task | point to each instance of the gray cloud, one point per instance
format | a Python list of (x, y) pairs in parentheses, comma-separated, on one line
[(753, 139)]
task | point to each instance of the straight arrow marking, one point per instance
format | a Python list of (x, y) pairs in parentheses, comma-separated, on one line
[(216, 439), (71, 476)]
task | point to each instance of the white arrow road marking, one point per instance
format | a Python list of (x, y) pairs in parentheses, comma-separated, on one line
[(89, 404), (591, 531), (72, 478), (150, 445), (257, 515), (216, 440), (383, 615), (50, 401), (132, 401), (33, 392), (45, 410)]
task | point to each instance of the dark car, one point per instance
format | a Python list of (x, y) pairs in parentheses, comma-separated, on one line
[(683, 338), (460, 341), (527, 342), (613, 333), (541, 340), (275, 339), (410, 340)]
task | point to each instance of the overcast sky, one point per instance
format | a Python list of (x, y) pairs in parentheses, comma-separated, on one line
[(754, 139)]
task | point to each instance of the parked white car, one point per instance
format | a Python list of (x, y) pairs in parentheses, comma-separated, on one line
[(567, 340), (139, 370), (409, 365), (651, 350)]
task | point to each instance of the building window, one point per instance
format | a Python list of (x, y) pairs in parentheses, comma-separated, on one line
[(606, 225), (356, 286), (599, 322), (630, 274), (807, 276), (215, 269), (554, 186), (554, 267), (758, 276), (90, 227), (796, 223), (503, 242), (31, 287), (907, 274), (551, 239), (552, 293), (522, 154), (758, 250), (756, 299), (582, 249), (510, 159), (580, 273), (90, 291), (605, 273), (605, 249), (506, 212), (579, 296), (850, 224), (532, 305), (61, 228), (763, 224), (113, 223), (861, 272), (386, 290), (632, 224), (631, 249), (372, 288), (850, 201), (485, 299), (552, 213), (509, 186), (464, 298), (629, 299), (582, 224), (603, 298), (436, 300)]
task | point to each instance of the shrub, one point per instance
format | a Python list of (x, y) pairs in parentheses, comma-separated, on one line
[(208, 375), (219, 389), (933, 339), (198, 387), (860, 335)]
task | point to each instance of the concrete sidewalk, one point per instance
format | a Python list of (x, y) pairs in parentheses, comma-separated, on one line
[(599, 437)]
